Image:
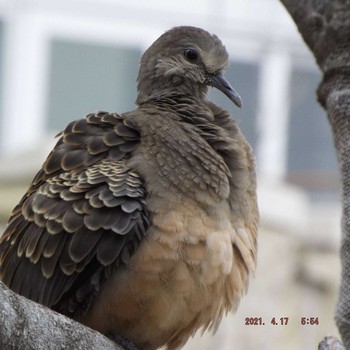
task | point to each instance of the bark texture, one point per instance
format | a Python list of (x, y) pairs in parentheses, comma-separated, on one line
[(325, 28), (28, 325), (330, 343)]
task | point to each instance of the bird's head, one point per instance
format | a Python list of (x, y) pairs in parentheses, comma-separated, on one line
[(185, 60)]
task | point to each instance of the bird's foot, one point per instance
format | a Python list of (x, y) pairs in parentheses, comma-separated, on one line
[(123, 342)]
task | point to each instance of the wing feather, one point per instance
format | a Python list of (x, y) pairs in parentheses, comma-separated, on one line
[(83, 242), (82, 217)]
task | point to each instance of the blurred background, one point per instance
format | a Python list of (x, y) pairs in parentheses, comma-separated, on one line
[(61, 59)]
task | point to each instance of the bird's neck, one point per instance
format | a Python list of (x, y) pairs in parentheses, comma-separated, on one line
[(157, 89), (180, 106)]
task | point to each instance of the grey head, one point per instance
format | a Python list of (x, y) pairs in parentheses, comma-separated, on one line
[(184, 60)]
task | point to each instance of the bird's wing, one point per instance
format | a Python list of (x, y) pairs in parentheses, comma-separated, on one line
[(82, 217)]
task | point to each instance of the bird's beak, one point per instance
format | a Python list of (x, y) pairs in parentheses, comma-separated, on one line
[(219, 82)]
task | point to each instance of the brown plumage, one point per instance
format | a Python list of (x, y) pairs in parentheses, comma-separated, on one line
[(144, 224)]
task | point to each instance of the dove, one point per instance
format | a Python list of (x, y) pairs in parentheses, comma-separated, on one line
[(143, 225)]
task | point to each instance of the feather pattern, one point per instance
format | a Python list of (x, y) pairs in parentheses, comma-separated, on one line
[(83, 209)]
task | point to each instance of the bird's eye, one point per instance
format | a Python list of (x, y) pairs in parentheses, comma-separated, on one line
[(191, 55)]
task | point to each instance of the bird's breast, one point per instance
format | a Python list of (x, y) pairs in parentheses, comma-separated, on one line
[(173, 157), (184, 276)]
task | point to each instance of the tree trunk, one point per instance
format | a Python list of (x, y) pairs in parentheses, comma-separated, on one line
[(325, 27), (28, 325)]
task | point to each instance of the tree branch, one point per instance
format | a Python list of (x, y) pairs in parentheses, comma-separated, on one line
[(330, 343), (28, 325), (325, 28)]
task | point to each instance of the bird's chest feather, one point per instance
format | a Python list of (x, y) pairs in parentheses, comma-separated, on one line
[(182, 277), (192, 266), (175, 158)]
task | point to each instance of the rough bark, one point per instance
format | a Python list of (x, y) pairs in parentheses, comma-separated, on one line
[(325, 28), (28, 325), (330, 343)]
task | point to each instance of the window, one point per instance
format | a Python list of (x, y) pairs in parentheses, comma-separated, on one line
[(86, 77)]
